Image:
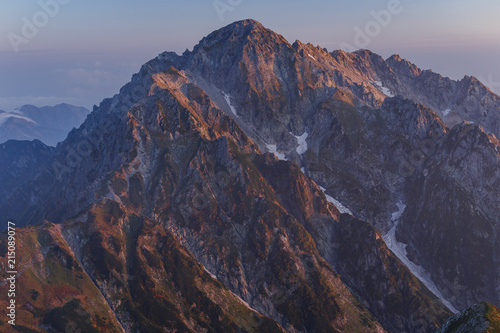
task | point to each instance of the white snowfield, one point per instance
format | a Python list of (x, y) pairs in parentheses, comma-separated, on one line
[(302, 148), (446, 112), (342, 209), (228, 101), (384, 90), (272, 149), (310, 56), (212, 275), (399, 249)]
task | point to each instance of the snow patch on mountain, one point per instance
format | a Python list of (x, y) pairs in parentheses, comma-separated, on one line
[(302, 148), (228, 101), (379, 85), (310, 56), (212, 275), (273, 149), (399, 249), (342, 209), (397, 214), (112, 196), (446, 112)]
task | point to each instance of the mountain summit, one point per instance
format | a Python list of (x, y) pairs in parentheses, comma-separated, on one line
[(253, 185)]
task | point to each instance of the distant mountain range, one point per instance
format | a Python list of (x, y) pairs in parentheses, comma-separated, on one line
[(253, 185), (49, 124)]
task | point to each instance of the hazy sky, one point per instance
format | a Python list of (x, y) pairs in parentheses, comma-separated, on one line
[(83, 51)]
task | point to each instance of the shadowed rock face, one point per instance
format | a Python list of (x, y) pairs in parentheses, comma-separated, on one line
[(455, 215), (168, 177), (19, 162)]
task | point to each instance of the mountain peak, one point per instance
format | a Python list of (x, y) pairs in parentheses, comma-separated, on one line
[(239, 32), (395, 57), (406, 67), (237, 28), (246, 23)]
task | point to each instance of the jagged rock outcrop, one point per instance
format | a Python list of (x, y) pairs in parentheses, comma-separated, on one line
[(479, 318), (454, 101)]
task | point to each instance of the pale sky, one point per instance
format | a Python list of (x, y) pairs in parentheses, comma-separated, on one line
[(84, 51)]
